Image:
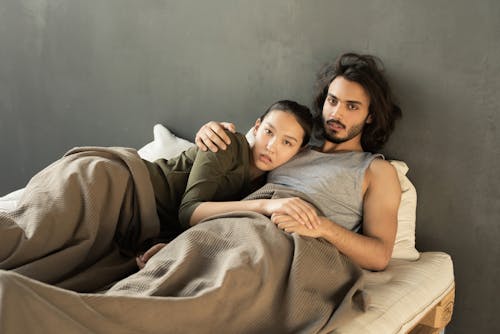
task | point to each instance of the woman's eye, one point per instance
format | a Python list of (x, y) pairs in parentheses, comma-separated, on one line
[(267, 131), (288, 143)]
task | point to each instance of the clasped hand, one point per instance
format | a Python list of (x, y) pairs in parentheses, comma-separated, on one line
[(295, 208), (291, 225)]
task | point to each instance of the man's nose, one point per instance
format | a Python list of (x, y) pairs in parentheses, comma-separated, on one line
[(337, 111)]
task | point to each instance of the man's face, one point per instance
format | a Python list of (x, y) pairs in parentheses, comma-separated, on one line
[(345, 111)]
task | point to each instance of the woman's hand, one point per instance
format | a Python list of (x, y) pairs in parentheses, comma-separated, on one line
[(142, 259), (290, 225), (212, 136), (296, 208)]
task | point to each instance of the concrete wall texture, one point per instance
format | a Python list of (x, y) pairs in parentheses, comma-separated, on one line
[(95, 72)]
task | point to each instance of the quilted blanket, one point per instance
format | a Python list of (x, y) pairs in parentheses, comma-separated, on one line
[(79, 219), (233, 273)]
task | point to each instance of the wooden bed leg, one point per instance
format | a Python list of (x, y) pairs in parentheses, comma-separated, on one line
[(438, 317)]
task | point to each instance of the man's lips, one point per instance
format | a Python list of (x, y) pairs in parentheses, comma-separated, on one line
[(335, 125)]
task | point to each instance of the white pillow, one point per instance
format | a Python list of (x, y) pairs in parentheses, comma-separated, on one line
[(164, 145), (404, 248), (9, 201)]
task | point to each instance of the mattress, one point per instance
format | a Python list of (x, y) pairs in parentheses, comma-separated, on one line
[(401, 295)]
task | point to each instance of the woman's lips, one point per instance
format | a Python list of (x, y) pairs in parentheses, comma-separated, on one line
[(265, 158)]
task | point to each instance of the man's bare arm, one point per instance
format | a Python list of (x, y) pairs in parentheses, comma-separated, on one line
[(371, 250)]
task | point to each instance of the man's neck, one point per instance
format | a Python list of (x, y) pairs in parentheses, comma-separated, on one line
[(349, 146)]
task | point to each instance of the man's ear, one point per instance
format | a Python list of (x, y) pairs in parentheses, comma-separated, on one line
[(369, 119), (256, 126)]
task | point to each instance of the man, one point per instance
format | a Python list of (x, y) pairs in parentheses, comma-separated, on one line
[(355, 107)]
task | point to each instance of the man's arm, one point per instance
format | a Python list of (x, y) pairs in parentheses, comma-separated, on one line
[(371, 250)]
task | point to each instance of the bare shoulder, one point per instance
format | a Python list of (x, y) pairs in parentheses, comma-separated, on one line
[(381, 167), (381, 173)]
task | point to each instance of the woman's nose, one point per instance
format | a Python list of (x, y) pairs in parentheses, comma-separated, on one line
[(271, 144)]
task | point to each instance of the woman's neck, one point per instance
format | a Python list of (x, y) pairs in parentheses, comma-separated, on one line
[(255, 173)]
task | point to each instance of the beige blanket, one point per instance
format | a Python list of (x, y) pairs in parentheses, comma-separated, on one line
[(79, 217), (235, 273)]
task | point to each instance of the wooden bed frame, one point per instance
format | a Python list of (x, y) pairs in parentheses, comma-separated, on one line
[(437, 318)]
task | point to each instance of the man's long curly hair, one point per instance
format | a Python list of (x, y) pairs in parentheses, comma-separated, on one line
[(367, 71)]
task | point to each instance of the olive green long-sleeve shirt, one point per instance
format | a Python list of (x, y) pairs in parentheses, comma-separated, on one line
[(181, 184)]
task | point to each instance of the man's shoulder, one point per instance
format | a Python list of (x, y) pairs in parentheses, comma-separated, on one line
[(380, 165), (380, 171)]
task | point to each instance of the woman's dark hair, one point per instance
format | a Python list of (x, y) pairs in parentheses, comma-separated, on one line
[(301, 113), (367, 71)]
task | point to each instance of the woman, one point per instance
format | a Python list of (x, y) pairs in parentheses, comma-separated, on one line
[(197, 184), (83, 219)]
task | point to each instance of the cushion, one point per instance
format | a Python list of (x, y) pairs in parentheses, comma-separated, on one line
[(402, 294), (404, 248), (164, 145), (9, 201)]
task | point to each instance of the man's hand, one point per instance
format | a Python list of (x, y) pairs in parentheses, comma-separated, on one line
[(290, 225), (142, 259), (212, 136), (296, 208)]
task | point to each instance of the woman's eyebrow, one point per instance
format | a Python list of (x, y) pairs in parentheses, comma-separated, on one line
[(291, 138), (287, 136)]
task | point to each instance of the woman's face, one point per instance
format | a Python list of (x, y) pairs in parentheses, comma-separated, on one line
[(278, 137)]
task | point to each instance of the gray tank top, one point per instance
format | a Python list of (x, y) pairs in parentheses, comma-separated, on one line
[(333, 181)]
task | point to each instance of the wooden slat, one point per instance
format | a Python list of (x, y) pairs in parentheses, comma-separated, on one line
[(438, 317)]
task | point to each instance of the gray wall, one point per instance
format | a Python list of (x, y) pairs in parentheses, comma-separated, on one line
[(104, 72)]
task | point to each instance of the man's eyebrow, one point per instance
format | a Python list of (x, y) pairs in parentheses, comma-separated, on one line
[(348, 101)]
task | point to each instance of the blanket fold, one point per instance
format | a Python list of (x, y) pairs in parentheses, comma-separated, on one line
[(234, 273), (79, 219)]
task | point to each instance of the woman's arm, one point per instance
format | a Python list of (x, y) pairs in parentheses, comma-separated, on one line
[(212, 180), (300, 210), (209, 178)]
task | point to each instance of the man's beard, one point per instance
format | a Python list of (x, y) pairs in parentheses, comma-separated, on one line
[(331, 135)]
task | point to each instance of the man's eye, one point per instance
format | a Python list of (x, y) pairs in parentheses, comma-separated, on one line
[(353, 107), (267, 131)]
